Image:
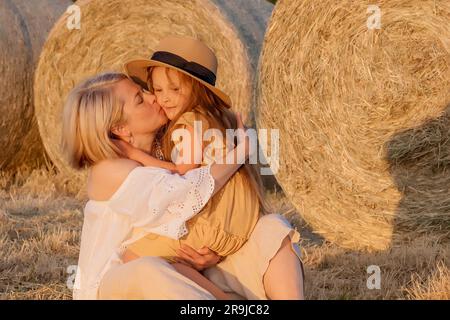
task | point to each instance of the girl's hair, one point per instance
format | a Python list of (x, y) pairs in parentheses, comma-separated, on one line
[(90, 112), (219, 116)]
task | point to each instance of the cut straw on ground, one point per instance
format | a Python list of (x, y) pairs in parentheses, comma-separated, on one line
[(40, 226)]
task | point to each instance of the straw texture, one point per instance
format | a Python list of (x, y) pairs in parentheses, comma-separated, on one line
[(24, 25), (361, 112), (114, 31)]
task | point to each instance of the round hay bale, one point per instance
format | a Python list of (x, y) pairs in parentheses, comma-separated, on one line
[(359, 109), (24, 26), (115, 31)]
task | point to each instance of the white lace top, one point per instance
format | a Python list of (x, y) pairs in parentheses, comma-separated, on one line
[(151, 199)]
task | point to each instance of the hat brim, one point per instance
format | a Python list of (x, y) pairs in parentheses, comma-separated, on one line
[(137, 70)]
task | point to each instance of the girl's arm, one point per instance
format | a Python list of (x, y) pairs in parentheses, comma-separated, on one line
[(145, 159), (148, 161), (220, 172)]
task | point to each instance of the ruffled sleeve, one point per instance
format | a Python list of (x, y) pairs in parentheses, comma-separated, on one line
[(160, 202)]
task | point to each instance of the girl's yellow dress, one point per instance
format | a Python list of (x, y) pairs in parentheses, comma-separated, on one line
[(224, 224)]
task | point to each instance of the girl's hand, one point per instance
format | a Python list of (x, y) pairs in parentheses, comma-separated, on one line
[(199, 260), (127, 149)]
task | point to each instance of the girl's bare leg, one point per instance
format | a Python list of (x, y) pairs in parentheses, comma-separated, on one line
[(283, 279), (201, 280), (188, 272)]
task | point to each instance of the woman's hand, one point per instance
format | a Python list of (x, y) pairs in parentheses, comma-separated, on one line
[(199, 260), (243, 140)]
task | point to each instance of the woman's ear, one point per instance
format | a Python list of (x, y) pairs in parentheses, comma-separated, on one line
[(121, 131)]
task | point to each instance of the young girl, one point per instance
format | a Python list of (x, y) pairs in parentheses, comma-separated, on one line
[(181, 73)]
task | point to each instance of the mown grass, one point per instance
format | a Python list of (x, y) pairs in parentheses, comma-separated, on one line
[(40, 225)]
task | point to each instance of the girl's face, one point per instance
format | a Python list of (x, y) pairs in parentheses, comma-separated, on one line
[(172, 94), (142, 113)]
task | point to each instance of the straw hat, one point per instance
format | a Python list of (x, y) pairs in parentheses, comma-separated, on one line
[(187, 55)]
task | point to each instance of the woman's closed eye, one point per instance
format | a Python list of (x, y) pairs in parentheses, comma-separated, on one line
[(143, 90), (141, 97), (159, 90)]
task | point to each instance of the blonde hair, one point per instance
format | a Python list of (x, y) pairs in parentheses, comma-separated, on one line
[(219, 115), (90, 112)]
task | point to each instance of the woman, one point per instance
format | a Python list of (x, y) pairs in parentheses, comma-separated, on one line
[(124, 196)]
